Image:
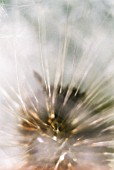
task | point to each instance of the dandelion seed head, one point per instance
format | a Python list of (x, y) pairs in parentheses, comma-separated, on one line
[(56, 84)]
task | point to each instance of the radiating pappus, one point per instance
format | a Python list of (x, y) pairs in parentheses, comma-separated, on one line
[(56, 85)]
